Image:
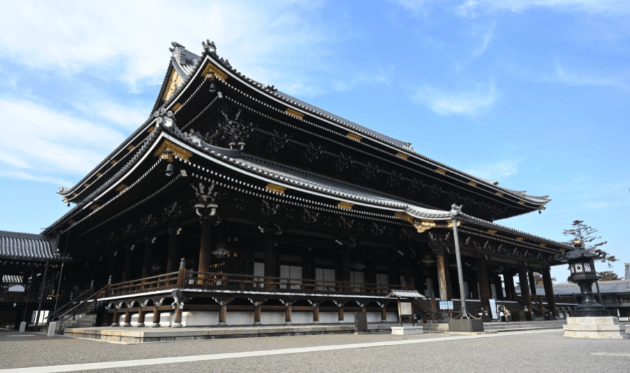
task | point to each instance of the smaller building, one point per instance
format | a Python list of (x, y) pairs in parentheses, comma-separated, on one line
[(627, 271)]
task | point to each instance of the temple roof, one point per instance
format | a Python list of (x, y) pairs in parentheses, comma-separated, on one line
[(605, 287), (188, 65), (27, 246)]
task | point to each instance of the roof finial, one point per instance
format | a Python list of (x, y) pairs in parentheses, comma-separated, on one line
[(209, 46)]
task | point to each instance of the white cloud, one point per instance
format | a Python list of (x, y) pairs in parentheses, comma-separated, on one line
[(468, 102), (585, 79), (416, 7), (495, 170), (129, 40), (380, 76), (49, 143), (485, 42), (471, 8)]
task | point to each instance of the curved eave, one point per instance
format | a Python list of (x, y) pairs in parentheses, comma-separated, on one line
[(260, 90)]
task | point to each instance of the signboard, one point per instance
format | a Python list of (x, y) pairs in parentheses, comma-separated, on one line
[(493, 308), (446, 305), (405, 309)]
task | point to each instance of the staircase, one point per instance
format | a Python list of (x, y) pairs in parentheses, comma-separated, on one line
[(80, 312)]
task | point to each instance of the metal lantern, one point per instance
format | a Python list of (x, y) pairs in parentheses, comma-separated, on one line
[(582, 267), (221, 249)]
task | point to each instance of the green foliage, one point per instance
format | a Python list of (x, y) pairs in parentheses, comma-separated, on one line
[(586, 234)]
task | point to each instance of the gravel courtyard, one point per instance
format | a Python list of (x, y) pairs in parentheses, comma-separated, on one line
[(540, 351)]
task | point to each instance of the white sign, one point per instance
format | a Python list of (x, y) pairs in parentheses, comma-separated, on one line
[(493, 308), (446, 305), (405, 309)]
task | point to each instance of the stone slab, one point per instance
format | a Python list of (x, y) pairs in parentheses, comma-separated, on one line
[(465, 325), (407, 330), (599, 327)]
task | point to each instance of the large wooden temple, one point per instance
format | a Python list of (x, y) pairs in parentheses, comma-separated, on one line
[(237, 204)]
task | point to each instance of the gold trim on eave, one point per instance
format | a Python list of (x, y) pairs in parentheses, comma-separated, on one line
[(472, 183), (424, 225), (113, 162), (401, 155), (174, 82), (94, 207), (354, 136), (121, 188), (151, 129), (542, 244), (275, 188), (99, 174), (86, 185), (295, 113), (441, 171), (345, 205), (450, 223), (500, 194), (176, 107), (404, 216), (520, 239), (177, 150), (492, 231), (131, 147), (217, 72), (521, 202)]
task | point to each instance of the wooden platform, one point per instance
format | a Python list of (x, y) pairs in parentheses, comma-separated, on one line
[(143, 335)]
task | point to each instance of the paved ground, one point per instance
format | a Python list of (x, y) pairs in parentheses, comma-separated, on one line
[(520, 351)]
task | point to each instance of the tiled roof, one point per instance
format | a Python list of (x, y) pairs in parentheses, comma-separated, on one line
[(605, 287), (11, 279), (27, 246)]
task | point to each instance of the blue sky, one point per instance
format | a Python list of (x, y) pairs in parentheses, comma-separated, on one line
[(531, 93)]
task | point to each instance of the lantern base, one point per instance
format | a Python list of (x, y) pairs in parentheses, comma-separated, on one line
[(595, 328)]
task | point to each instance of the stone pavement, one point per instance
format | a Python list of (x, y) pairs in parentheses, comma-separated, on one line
[(526, 351)]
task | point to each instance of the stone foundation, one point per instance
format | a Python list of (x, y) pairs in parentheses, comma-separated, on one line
[(595, 327), (407, 330)]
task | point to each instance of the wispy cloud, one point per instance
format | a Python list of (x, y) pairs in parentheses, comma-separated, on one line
[(575, 78), (495, 170), (44, 143), (380, 76), (415, 7), (485, 42), (472, 8), (470, 102), (129, 40)]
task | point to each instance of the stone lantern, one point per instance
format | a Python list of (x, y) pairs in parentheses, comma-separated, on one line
[(590, 319), (582, 267)]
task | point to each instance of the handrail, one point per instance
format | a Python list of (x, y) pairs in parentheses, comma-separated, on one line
[(79, 298), (58, 315)]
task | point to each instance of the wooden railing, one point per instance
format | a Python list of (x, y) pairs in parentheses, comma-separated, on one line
[(207, 280), (144, 285)]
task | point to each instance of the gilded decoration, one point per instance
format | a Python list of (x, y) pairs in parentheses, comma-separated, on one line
[(94, 207), (521, 202), (472, 183), (345, 205), (492, 231), (211, 68), (176, 107), (151, 129), (86, 185), (177, 150), (121, 188), (441, 171), (72, 222), (543, 244), (275, 188), (114, 162), (520, 238), (295, 113), (99, 174), (450, 223), (405, 216), (354, 136), (131, 147), (424, 225), (173, 83), (500, 194), (403, 156)]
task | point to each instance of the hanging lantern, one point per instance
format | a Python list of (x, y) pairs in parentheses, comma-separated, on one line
[(221, 250), (359, 266)]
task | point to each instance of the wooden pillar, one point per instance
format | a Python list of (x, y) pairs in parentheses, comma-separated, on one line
[(271, 269), (156, 317), (127, 322), (223, 302), (141, 317), (111, 265), (173, 242), (148, 256), (551, 299), (484, 285), (408, 273), (525, 298), (126, 276), (205, 245), (345, 264), (383, 306), (257, 309), (340, 314), (116, 317), (177, 322), (441, 267), (508, 275), (370, 269), (315, 311), (532, 282), (288, 311)]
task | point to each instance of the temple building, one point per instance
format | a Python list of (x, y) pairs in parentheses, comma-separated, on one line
[(237, 204)]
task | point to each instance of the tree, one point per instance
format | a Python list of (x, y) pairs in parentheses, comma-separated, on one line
[(538, 279), (609, 276), (586, 235)]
